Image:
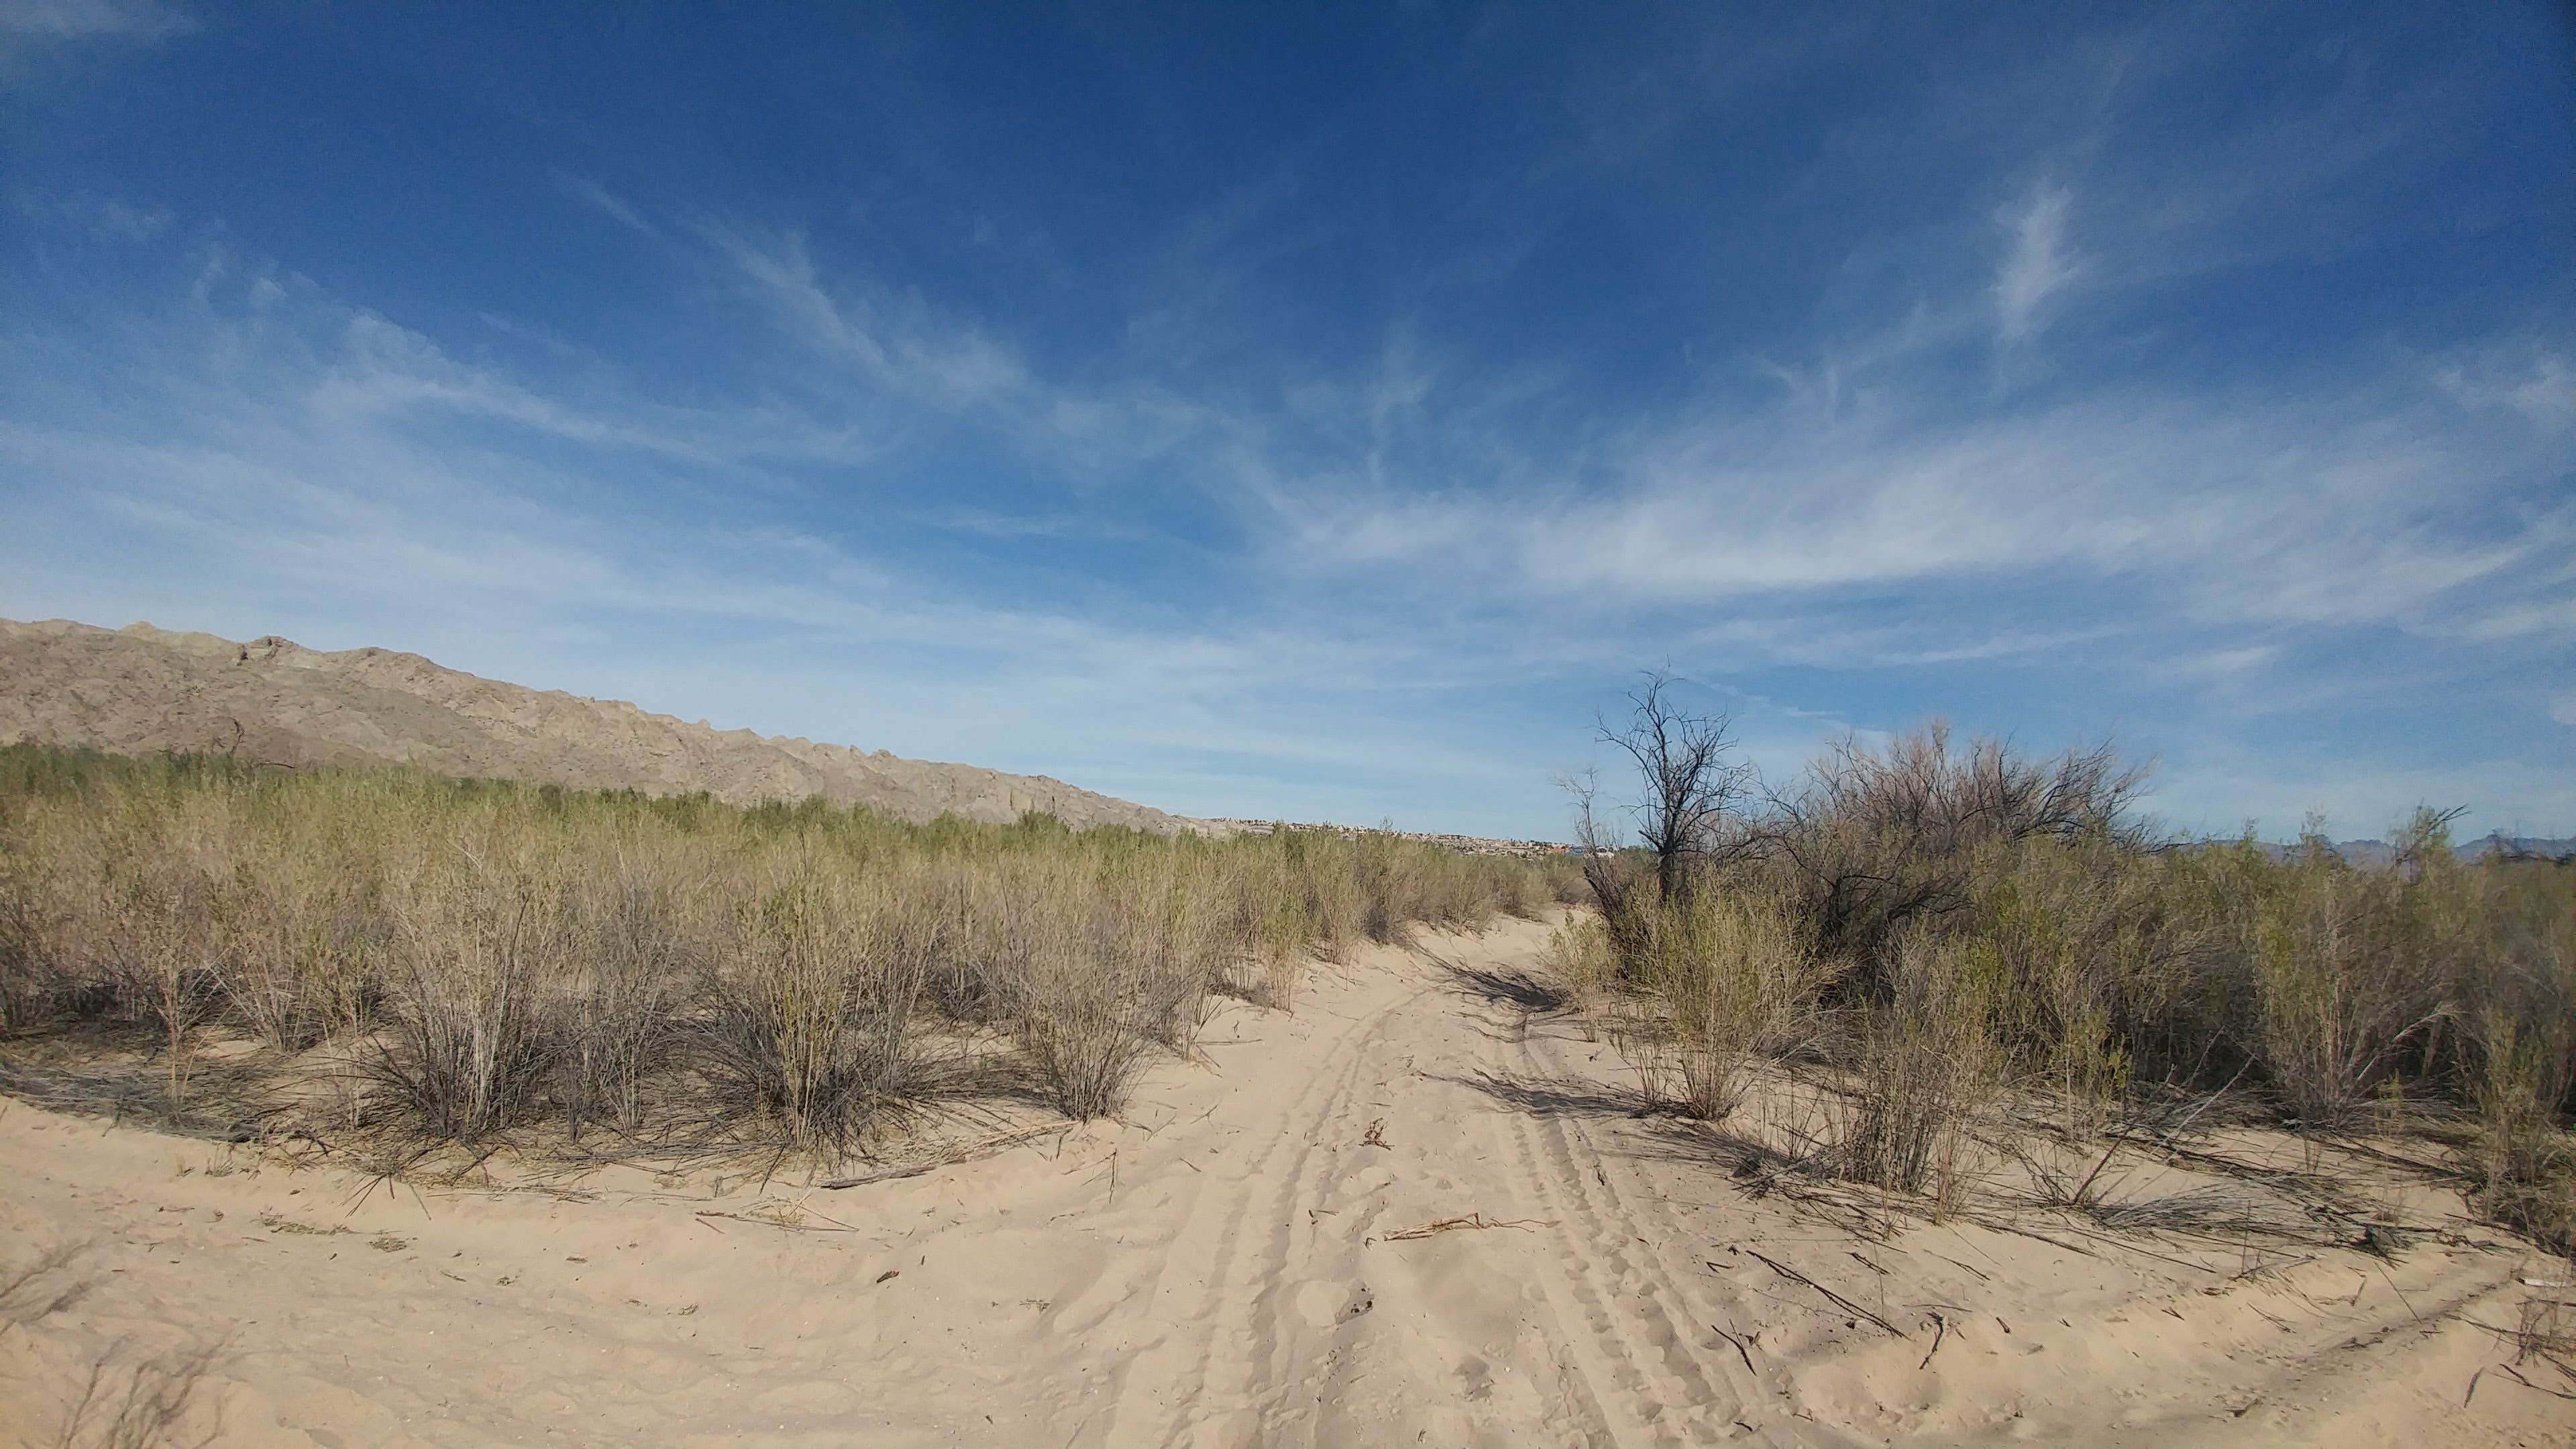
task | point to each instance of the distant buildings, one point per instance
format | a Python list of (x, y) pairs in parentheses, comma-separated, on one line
[(1469, 844)]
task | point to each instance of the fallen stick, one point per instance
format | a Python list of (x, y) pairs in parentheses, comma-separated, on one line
[(1940, 1331), (2134, 1248), (1740, 1350), (1477, 1221), (704, 1214), (2000, 1226), (889, 1175), (1831, 1296), (2511, 1372)]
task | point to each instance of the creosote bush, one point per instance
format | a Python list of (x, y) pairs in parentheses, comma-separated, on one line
[(456, 960)]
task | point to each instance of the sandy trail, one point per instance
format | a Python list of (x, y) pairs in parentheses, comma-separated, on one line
[(1225, 1268)]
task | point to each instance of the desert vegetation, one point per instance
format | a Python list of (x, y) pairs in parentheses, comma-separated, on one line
[(1981, 957), (401, 958)]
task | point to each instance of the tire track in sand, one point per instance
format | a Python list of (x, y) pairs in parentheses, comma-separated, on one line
[(1218, 1292), (1638, 1327)]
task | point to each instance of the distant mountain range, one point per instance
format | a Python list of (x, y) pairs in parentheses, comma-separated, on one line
[(2379, 854), (140, 689)]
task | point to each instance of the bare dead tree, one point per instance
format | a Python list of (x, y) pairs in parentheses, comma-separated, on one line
[(1601, 869), (1689, 780)]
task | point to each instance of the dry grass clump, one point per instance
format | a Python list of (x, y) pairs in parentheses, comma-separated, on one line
[(473, 1023), (1583, 960), (437, 960), (1732, 977), (642, 941), (1950, 930), (1124, 965), (2522, 1156), (1929, 1065), (2348, 970), (810, 1021), (2546, 1330)]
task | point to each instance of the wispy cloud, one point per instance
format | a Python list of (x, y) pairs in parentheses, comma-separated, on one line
[(2225, 663), (106, 216), (2037, 263), (91, 19), (885, 335), (606, 202), (2316, 509), (2525, 377)]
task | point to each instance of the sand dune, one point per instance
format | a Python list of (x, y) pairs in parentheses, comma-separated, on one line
[(140, 689), (1255, 1256)]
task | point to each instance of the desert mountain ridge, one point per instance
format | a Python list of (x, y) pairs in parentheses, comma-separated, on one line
[(2376, 854), (141, 689)]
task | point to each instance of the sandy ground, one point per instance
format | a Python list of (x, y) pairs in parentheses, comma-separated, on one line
[(1223, 1268)]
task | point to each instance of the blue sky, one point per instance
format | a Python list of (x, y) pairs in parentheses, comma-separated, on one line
[(1323, 411)]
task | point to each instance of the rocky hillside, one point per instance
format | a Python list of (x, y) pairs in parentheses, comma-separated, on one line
[(141, 689)]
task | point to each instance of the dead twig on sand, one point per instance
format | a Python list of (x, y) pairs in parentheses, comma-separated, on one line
[(2509, 1371), (1376, 1135), (772, 1222), (1740, 1350), (1835, 1298), (1476, 1221), (889, 1175), (1940, 1331)]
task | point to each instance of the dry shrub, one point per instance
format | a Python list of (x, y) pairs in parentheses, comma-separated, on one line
[(2547, 1330), (1084, 1028), (1877, 840), (295, 949), (1985, 921), (157, 955), (1395, 891), (2524, 972), (2524, 1162), (25, 984), (1523, 896), (2350, 974), (1580, 957), (1280, 946), (1126, 966), (471, 1034), (2079, 940), (1927, 1066), (488, 955), (1733, 977), (637, 946), (811, 1021)]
